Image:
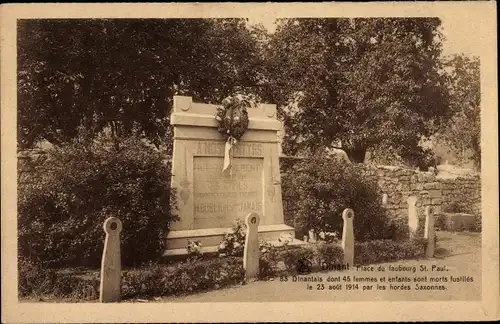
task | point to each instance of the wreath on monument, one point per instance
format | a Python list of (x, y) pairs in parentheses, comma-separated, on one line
[(232, 117), (232, 120)]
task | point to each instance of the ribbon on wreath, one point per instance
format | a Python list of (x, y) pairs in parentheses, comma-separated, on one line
[(231, 141)]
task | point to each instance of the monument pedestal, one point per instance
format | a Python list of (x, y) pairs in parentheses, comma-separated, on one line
[(210, 200), (211, 238)]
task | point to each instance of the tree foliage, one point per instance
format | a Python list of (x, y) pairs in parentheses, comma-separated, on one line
[(362, 82), (463, 131), (122, 73)]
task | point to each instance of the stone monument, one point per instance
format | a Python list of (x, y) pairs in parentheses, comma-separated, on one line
[(210, 200)]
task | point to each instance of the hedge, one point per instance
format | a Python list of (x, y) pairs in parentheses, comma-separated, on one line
[(35, 281), (186, 277), (205, 274), (385, 250)]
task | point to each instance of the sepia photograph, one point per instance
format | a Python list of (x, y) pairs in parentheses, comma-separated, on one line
[(256, 157)]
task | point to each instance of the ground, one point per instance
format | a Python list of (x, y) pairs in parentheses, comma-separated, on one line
[(459, 252)]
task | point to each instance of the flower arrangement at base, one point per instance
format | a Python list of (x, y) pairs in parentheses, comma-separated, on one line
[(232, 120), (329, 236), (194, 248), (234, 241), (285, 239)]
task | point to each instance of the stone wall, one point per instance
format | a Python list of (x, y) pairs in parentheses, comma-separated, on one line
[(399, 184), (460, 194)]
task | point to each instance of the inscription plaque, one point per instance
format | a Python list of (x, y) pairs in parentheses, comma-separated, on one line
[(220, 197), (206, 148)]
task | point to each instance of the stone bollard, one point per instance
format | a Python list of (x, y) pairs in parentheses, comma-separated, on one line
[(312, 236), (384, 200), (430, 232), (412, 216), (348, 237), (251, 251), (111, 262)]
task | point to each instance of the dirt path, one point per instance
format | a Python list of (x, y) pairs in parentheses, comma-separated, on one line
[(460, 261)]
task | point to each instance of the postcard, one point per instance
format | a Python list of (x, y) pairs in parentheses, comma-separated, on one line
[(249, 162)]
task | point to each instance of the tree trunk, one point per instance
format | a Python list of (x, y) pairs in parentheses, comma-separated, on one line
[(356, 154)]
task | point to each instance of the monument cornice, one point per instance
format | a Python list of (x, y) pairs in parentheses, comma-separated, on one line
[(192, 120), (188, 113)]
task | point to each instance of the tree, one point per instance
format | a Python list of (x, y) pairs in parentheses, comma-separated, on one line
[(86, 75), (360, 82), (463, 131)]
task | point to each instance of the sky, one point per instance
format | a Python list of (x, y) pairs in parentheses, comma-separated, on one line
[(458, 33)]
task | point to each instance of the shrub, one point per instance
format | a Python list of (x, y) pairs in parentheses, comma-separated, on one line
[(233, 243), (182, 278), (35, 281), (317, 190), (153, 280), (457, 207), (386, 250), (414, 155), (203, 274), (441, 223), (284, 261), (421, 226), (478, 225), (64, 200), (398, 229)]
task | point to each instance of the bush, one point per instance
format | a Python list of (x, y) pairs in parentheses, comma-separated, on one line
[(316, 191), (457, 207), (284, 261), (386, 250), (398, 229), (234, 241), (35, 281), (441, 222), (64, 200), (153, 280), (182, 278), (478, 225), (281, 262), (204, 274), (414, 155)]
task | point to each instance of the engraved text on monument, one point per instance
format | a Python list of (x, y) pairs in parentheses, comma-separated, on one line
[(220, 197)]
